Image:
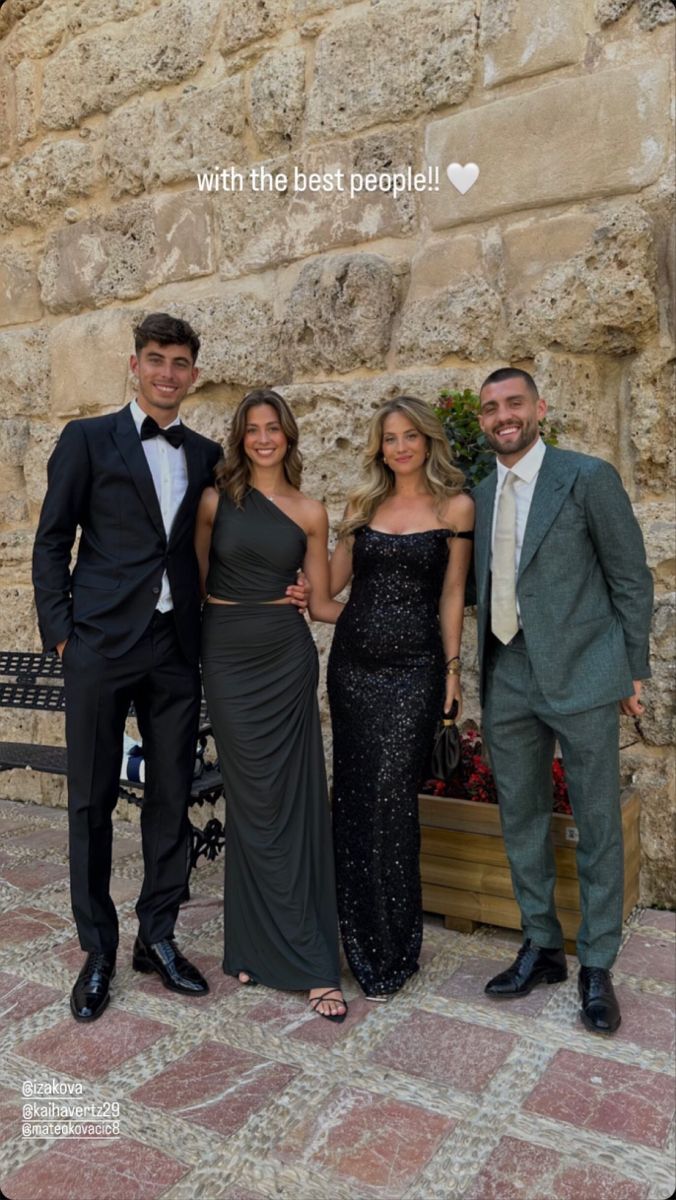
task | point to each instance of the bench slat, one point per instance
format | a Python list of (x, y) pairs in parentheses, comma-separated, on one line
[(20, 662), (33, 697), (14, 755)]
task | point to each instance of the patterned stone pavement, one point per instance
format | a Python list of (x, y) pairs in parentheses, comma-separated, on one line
[(245, 1095)]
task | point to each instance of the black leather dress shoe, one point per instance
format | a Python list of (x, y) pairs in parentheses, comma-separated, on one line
[(91, 993), (532, 965), (174, 970), (600, 1011)]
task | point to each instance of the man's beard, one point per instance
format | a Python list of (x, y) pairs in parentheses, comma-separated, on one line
[(528, 434)]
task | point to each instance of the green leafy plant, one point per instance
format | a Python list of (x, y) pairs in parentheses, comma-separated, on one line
[(459, 415)]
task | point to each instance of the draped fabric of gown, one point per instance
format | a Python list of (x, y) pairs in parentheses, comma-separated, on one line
[(260, 671), (386, 680)]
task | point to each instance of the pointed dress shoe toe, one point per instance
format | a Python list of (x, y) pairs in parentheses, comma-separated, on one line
[(91, 992), (600, 1011), (532, 965), (173, 968)]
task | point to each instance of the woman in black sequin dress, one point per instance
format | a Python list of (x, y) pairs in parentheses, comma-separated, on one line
[(405, 542)]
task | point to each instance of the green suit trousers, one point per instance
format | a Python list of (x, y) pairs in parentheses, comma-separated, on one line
[(521, 730)]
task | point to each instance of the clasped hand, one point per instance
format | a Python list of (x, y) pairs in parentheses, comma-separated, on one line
[(299, 592)]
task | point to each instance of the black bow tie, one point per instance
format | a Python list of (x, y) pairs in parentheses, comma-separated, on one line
[(175, 434)]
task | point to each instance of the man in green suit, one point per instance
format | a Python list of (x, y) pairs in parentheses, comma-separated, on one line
[(564, 600)]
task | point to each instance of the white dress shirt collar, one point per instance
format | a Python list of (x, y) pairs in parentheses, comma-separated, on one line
[(527, 467)]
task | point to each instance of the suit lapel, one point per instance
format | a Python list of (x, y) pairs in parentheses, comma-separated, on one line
[(554, 481), (485, 499), (129, 445)]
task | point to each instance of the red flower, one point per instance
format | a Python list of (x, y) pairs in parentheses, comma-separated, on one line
[(561, 801), (474, 780)]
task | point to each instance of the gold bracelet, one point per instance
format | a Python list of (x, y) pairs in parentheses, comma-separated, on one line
[(454, 669)]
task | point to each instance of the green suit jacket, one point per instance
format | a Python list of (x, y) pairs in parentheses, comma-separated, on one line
[(584, 589)]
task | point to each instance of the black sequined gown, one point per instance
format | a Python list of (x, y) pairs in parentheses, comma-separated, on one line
[(386, 680)]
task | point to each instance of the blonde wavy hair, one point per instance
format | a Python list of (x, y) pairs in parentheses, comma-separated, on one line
[(233, 474), (442, 478)]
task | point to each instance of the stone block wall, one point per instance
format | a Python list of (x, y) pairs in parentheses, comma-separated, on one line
[(559, 259)]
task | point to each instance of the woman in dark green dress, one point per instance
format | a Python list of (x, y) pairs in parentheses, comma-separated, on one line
[(255, 531)]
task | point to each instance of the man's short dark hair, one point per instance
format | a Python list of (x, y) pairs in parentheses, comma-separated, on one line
[(167, 331), (511, 373)]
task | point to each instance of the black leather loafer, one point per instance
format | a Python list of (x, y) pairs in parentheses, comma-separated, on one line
[(174, 970), (91, 993), (600, 1011), (532, 965)]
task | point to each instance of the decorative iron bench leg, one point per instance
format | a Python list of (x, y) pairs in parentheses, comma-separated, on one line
[(207, 843)]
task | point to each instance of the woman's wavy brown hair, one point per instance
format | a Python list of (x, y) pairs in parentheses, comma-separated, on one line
[(233, 473), (442, 478)]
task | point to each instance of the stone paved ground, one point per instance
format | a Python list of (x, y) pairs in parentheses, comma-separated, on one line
[(244, 1095)]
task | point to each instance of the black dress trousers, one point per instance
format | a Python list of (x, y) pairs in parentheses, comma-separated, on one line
[(165, 689)]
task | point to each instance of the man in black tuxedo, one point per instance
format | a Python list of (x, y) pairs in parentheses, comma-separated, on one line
[(126, 624)]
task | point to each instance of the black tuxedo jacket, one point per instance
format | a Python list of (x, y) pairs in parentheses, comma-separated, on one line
[(99, 480)]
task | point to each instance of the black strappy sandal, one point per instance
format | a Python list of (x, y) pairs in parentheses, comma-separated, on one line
[(337, 1018)]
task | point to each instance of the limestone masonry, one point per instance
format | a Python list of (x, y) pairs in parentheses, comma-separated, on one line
[(559, 259)]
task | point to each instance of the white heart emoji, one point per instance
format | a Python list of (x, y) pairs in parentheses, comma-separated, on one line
[(462, 178)]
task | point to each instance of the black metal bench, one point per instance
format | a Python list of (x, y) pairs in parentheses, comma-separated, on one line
[(34, 683)]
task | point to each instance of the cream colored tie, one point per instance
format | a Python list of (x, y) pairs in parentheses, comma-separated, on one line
[(504, 621)]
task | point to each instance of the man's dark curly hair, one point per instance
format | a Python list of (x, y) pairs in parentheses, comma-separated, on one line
[(167, 331)]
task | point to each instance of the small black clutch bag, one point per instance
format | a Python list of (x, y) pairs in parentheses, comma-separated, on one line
[(446, 748)]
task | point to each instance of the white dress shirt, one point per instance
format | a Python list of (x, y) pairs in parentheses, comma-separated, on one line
[(526, 470), (170, 477)]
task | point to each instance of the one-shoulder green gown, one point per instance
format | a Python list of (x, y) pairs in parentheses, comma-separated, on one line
[(260, 671)]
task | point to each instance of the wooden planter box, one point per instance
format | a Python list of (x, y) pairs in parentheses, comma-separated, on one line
[(465, 873)]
